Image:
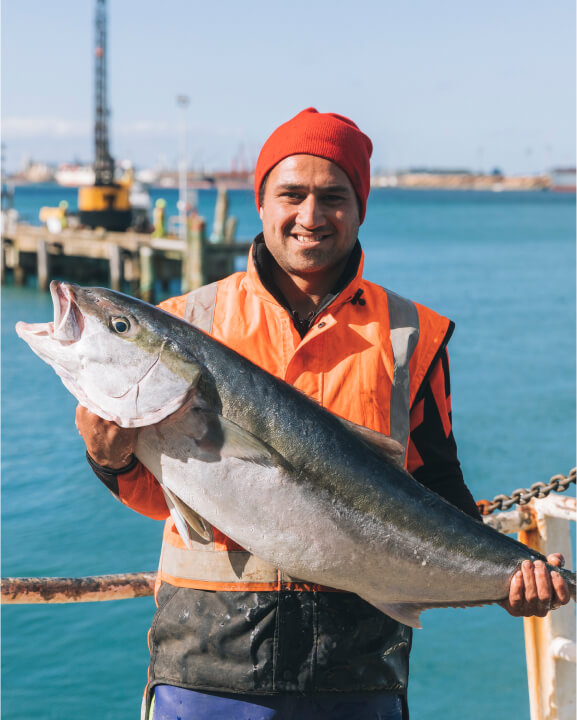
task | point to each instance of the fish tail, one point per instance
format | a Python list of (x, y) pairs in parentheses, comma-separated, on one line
[(568, 576), (571, 583)]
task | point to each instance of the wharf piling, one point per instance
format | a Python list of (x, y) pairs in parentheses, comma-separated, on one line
[(127, 261), (146, 275), (220, 216), (194, 271), (43, 264)]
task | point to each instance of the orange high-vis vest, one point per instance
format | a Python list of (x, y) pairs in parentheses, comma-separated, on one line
[(364, 359)]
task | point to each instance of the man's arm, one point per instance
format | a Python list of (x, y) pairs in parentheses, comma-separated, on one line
[(432, 452), (432, 460), (110, 453), (106, 442)]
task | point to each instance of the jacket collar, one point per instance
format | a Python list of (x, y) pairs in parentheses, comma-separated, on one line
[(261, 282)]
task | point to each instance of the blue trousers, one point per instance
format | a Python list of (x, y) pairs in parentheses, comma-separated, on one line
[(173, 703)]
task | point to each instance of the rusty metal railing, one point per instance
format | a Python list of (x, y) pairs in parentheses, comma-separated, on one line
[(124, 586)]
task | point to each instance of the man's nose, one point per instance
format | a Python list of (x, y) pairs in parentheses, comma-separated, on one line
[(310, 214)]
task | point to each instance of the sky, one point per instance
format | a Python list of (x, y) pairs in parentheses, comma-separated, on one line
[(446, 84)]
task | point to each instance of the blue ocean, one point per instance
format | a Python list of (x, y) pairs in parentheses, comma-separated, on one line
[(501, 265)]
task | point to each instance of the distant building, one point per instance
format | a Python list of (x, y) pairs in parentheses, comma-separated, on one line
[(438, 171), (37, 172), (75, 175), (563, 179)]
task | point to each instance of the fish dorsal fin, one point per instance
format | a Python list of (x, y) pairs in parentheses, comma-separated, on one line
[(189, 524), (383, 445)]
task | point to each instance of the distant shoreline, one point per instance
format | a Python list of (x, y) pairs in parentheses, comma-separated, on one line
[(403, 181)]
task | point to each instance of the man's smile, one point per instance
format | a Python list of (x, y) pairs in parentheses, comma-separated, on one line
[(309, 239)]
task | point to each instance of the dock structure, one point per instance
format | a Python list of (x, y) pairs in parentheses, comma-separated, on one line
[(550, 647), (127, 261)]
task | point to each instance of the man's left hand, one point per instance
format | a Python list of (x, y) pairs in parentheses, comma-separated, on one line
[(536, 591)]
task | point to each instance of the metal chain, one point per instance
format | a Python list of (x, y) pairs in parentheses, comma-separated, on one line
[(558, 483)]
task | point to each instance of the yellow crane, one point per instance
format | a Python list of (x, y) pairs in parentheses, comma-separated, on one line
[(105, 204)]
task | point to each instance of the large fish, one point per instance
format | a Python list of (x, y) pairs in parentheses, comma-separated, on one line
[(244, 451)]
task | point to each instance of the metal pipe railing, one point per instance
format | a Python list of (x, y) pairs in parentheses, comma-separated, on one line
[(124, 586)]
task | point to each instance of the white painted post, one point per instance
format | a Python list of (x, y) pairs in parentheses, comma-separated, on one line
[(550, 641)]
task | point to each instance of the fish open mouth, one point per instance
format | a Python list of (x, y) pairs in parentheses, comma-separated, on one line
[(67, 318), (68, 321)]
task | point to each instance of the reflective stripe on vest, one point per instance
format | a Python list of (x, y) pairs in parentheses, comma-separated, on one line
[(205, 568), (217, 567), (404, 323), (203, 564), (200, 307)]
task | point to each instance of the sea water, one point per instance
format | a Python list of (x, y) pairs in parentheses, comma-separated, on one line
[(501, 265)]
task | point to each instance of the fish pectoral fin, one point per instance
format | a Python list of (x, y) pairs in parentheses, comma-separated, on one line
[(383, 445), (240, 443), (406, 613), (210, 437), (189, 524)]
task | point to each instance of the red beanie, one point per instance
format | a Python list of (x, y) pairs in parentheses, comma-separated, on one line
[(326, 135)]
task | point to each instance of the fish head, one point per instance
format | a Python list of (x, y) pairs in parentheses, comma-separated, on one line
[(113, 354)]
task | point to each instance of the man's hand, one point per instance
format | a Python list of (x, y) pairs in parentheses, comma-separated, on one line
[(535, 591), (106, 442)]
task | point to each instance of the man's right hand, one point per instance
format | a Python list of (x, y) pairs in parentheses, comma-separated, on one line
[(107, 443)]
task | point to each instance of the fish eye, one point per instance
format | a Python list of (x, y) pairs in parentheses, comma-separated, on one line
[(120, 325)]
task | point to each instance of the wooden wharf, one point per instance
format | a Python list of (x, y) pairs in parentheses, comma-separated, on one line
[(126, 261)]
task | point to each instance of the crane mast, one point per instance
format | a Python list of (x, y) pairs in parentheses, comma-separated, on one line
[(103, 163), (106, 204)]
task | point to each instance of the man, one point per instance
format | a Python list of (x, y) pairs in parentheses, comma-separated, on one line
[(233, 637)]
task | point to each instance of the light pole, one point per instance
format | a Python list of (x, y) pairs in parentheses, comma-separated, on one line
[(182, 102)]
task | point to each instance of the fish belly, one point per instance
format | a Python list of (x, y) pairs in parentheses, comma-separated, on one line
[(316, 538)]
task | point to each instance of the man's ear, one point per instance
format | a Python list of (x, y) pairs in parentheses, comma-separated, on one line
[(260, 212)]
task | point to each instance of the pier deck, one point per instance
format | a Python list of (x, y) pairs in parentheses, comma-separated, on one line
[(130, 260)]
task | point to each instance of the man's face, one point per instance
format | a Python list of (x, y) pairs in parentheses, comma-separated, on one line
[(310, 215)]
